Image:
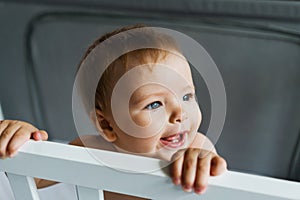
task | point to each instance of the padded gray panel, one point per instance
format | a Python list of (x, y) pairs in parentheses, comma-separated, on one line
[(14, 95), (274, 9), (260, 69)]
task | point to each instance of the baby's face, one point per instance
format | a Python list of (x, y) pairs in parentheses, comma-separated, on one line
[(162, 106)]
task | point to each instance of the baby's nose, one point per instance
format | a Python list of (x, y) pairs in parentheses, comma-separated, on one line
[(177, 115)]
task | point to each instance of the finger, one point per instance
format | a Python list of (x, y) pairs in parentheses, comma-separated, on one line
[(40, 135), (19, 138), (3, 125), (206, 153), (44, 135), (36, 135), (202, 174), (176, 169), (5, 137), (218, 166), (189, 169)]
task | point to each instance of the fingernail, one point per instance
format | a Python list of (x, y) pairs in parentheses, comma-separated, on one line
[(187, 188), (200, 190), (176, 181)]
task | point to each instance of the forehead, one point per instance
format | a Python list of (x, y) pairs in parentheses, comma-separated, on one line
[(179, 64), (172, 73), (171, 66)]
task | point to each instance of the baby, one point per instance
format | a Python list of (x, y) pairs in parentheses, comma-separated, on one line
[(162, 105)]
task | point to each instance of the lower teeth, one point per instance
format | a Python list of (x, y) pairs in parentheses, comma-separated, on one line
[(175, 141)]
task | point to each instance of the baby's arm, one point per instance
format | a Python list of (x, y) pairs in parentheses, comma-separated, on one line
[(13, 134), (193, 166)]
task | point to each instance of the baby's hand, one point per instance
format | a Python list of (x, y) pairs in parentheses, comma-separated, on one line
[(13, 134), (193, 167)]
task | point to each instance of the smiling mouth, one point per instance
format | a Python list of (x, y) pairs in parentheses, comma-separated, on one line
[(174, 141)]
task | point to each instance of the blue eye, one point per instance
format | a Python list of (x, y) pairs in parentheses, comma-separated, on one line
[(153, 105), (187, 97)]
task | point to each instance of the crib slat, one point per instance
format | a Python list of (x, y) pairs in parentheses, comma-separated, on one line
[(23, 187), (85, 193)]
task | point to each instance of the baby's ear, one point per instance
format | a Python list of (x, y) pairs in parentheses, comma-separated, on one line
[(104, 127)]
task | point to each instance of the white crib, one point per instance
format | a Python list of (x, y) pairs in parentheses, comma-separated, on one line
[(75, 165)]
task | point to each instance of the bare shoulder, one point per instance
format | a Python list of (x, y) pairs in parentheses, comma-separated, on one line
[(202, 142), (92, 141)]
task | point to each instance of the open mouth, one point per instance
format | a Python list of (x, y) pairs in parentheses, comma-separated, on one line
[(174, 141)]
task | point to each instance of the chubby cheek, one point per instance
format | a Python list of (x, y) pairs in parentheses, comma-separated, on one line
[(148, 145), (141, 118), (195, 115), (142, 145), (136, 144), (199, 116)]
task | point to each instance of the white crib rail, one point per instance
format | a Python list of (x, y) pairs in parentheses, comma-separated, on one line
[(75, 165)]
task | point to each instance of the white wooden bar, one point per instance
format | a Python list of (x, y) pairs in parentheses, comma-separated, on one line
[(84, 193), (23, 187), (76, 165)]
